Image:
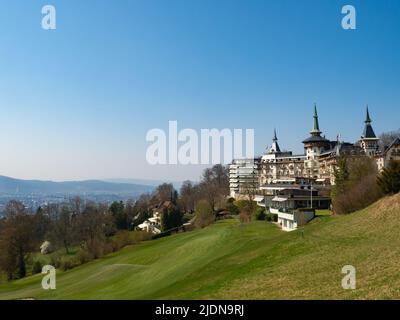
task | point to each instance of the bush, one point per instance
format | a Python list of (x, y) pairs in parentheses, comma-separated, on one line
[(68, 263), (55, 260), (204, 214), (358, 196), (247, 209), (271, 217), (389, 180), (260, 214), (357, 188), (83, 256), (232, 208), (138, 236), (37, 267)]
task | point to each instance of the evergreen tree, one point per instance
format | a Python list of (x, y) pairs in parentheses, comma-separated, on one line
[(118, 212), (171, 218), (341, 178), (389, 180)]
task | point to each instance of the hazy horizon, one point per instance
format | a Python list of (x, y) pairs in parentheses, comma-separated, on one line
[(77, 101)]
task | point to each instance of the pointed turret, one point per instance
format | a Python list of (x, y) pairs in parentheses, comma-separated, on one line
[(368, 132), (369, 141), (368, 119), (315, 131), (314, 146), (275, 146)]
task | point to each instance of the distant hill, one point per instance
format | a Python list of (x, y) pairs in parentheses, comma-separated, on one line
[(11, 186), (257, 260), (148, 182)]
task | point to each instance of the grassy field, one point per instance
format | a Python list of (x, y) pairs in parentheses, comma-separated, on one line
[(253, 261)]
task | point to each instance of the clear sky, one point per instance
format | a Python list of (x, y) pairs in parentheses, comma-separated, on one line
[(77, 102)]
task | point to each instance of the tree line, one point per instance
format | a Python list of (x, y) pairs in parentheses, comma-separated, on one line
[(86, 230)]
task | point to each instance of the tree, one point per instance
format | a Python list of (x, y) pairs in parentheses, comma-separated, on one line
[(204, 214), (386, 138), (231, 207), (165, 192), (95, 221), (62, 231), (246, 209), (260, 214), (188, 196), (130, 213), (357, 185), (214, 185), (171, 217), (17, 239), (42, 224), (250, 189), (389, 180), (341, 175), (141, 210), (118, 212)]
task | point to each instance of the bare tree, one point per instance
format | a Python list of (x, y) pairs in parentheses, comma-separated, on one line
[(214, 185), (17, 239), (387, 138), (188, 196)]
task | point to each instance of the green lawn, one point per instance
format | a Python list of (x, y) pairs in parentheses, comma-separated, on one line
[(253, 261), (324, 212)]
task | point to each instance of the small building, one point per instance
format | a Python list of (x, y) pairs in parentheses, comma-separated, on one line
[(153, 224), (290, 221), (294, 200)]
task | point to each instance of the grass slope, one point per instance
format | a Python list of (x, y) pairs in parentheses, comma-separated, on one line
[(255, 261)]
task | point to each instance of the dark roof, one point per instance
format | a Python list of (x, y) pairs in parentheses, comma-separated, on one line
[(315, 139), (368, 131), (396, 141), (343, 148)]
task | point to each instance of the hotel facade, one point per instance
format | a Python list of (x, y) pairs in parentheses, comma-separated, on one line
[(316, 165)]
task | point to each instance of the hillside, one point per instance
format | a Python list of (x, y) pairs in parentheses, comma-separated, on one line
[(255, 261), (11, 186)]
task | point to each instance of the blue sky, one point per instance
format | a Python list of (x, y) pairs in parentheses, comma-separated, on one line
[(77, 102)]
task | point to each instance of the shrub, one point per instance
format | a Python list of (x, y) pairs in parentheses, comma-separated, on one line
[(358, 196), (232, 208), (122, 239), (138, 236), (83, 256), (271, 217), (246, 208), (204, 214), (55, 260), (95, 248), (357, 188), (389, 180), (68, 263), (260, 214), (37, 267)]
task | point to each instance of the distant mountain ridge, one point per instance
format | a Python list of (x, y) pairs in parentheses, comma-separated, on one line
[(12, 186), (146, 182)]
